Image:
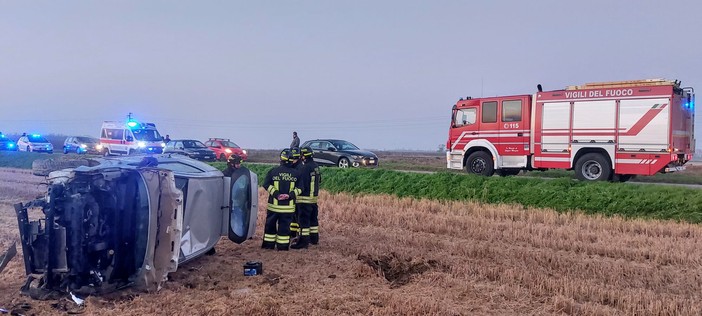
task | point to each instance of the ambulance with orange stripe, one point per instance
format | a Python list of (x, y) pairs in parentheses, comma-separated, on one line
[(602, 131), (130, 137)]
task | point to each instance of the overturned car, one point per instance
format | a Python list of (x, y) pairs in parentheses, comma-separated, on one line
[(128, 222)]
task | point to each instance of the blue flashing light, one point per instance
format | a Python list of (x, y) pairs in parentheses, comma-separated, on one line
[(131, 124), (10, 145), (36, 135)]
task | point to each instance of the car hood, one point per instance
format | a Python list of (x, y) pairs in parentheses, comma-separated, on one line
[(199, 150), (360, 153), (40, 143)]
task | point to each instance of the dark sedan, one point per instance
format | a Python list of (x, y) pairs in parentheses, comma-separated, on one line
[(336, 152), (194, 149), (6, 143)]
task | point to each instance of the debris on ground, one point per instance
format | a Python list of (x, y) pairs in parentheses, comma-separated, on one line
[(7, 256), (398, 270)]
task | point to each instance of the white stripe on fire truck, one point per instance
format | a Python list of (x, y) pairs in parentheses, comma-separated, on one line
[(556, 159), (607, 98)]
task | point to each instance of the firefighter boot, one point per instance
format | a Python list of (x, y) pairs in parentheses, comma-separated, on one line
[(314, 238), (268, 245), (301, 243)]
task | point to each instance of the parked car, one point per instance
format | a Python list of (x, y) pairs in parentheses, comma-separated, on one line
[(225, 148), (34, 142), (194, 149), (129, 221), (82, 145), (6, 143), (336, 152)]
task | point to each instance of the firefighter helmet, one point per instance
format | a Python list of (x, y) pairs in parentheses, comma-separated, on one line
[(234, 159), (295, 153), (285, 155), (306, 151)]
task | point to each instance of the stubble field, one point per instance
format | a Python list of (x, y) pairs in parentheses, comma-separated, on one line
[(380, 255)]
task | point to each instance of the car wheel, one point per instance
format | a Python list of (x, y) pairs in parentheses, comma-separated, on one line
[(593, 167), (78, 150), (65, 150), (222, 157), (107, 152), (480, 163), (343, 162), (28, 149)]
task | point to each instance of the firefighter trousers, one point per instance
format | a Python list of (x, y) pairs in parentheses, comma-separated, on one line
[(276, 232), (304, 217), (314, 223)]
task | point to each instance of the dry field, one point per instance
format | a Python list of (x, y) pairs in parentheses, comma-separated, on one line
[(381, 255)]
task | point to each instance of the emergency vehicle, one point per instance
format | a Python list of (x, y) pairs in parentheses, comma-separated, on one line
[(602, 131), (130, 137)]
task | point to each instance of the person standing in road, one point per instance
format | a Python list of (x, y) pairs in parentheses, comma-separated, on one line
[(167, 139), (307, 210), (283, 188), (295, 142)]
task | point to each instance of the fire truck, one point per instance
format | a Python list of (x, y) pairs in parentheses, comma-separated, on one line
[(603, 131)]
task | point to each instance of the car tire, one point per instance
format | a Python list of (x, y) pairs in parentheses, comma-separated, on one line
[(28, 149), (343, 163), (78, 150), (222, 157), (50, 152), (593, 167), (65, 150), (480, 163)]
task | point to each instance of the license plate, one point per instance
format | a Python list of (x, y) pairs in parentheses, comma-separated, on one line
[(207, 157)]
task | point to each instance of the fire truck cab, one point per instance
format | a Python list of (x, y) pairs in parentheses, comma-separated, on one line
[(603, 131)]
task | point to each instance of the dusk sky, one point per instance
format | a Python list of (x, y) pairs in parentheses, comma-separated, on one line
[(381, 74)]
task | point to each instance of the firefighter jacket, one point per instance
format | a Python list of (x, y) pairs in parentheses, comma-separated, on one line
[(282, 180), (310, 179)]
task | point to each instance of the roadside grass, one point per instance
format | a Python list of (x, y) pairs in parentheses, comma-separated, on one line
[(561, 194), (691, 176)]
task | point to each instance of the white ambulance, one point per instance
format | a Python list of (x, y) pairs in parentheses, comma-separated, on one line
[(125, 138)]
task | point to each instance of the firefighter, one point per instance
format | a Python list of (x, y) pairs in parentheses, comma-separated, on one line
[(283, 188), (233, 163), (295, 225), (307, 210)]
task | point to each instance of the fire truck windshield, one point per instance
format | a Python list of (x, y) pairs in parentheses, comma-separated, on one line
[(149, 135)]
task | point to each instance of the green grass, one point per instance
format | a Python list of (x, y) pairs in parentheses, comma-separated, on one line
[(563, 194), (684, 177), (21, 159)]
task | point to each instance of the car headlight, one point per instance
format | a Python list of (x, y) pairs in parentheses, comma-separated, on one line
[(50, 146), (358, 157), (84, 146), (141, 144), (163, 145), (98, 147), (244, 151), (228, 151)]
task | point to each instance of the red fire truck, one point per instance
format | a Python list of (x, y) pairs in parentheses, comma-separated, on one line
[(603, 131)]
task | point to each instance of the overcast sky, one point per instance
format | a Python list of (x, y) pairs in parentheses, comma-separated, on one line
[(382, 74)]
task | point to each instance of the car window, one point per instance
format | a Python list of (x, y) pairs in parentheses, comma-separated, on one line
[(178, 145), (193, 144), (38, 139), (179, 167), (344, 145), (114, 133), (170, 145), (465, 117), (489, 110), (229, 144), (325, 145), (84, 139), (313, 145), (512, 111)]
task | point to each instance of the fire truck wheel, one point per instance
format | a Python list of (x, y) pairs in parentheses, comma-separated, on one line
[(593, 167), (480, 163)]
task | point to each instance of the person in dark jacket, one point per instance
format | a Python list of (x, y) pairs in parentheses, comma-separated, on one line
[(233, 163), (295, 226), (295, 142), (307, 210), (282, 184)]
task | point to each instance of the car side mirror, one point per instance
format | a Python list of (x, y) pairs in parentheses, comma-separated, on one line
[(129, 138), (331, 149)]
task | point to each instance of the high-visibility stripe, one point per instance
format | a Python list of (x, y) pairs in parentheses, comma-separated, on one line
[(283, 239), (271, 189), (276, 185), (305, 232), (314, 229), (269, 237), (307, 199), (312, 184), (294, 227), (297, 191), (292, 187), (281, 208)]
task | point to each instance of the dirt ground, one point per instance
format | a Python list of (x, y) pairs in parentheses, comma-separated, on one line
[(380, 255)]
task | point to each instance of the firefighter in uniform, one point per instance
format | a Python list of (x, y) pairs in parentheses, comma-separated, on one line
[(283, 188), (233, 163), (295, 225), (307, 210)]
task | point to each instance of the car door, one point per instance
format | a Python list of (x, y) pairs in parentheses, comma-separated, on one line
[(323, 155), (239, 220)]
